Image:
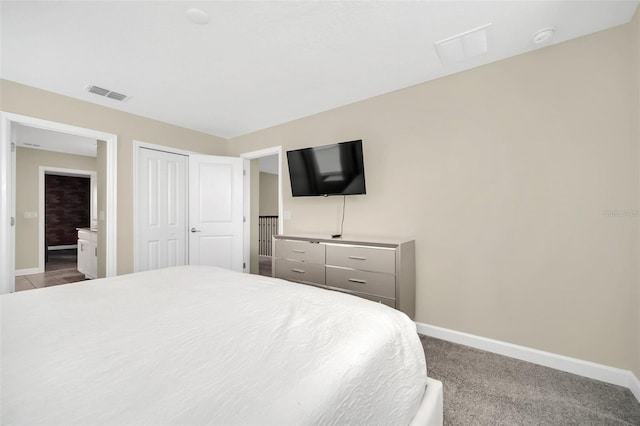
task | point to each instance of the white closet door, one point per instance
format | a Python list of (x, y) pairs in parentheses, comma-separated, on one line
[(215, 211), (162, 209)]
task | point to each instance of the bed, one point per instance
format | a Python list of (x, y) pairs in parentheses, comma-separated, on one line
[(195, 345)]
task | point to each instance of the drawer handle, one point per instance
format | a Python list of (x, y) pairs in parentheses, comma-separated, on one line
[(355, 280), (299, 271), (357, 258), (298, 251)]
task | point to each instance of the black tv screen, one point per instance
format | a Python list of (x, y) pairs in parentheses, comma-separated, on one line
[(336, 169)]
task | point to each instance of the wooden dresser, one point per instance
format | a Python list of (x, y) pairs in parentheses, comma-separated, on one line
[(378, 270)]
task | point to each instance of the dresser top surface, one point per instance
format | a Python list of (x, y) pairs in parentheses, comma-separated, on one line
[(363, 241)]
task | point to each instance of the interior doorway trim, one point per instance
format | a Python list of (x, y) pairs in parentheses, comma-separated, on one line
[(46, 170), (276, 150), (7, 191)]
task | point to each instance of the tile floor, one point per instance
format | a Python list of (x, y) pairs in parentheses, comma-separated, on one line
[(61, 268)]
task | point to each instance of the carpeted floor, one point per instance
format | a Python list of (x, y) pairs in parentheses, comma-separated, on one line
[(265, 266), (482, 388)]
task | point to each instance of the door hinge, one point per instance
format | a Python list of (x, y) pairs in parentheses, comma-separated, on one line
[(244, 218), (244, 172), (244, 265), (13, 147), (13, 221)]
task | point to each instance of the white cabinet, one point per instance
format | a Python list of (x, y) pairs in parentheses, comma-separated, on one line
[(88, 252), (382, 271)]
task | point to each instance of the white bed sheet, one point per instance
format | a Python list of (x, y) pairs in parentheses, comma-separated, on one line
[(201, 345)]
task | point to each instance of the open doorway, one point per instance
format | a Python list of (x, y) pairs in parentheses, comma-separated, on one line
[(263, 206), (268, 213), (66, 196), (69, 199), (56, 182), (10, 124)]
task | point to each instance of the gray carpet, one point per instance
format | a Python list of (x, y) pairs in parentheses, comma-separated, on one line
[(482, 388), (264, 265)]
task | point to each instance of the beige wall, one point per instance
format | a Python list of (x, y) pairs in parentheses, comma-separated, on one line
[(25, 100), (502, 175), (28, 162), (268, 194)]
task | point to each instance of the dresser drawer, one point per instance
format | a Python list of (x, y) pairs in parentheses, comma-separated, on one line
[(363, 282), (87, 235), (389, 302), (303, 251), (299, 271), (363, 258)]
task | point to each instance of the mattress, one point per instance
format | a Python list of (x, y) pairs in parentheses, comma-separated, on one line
[(197, 345)]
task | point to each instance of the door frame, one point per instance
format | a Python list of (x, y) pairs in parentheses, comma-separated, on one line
[(46, 170), (253, 155), (8, 182)]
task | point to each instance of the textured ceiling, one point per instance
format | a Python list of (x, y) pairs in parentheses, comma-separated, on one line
[(258, 64)]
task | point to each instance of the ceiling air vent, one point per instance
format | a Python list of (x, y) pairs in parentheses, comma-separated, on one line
[(117, 96), (463, 46), (108, 93)]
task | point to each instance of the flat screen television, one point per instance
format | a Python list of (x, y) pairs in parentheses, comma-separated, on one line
[(336, 169)]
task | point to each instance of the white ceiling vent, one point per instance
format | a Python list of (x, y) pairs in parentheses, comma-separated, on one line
[(463, 46), (108, 93), (117, 96)]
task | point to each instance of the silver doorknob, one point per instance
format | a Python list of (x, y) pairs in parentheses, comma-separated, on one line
[(195, 230)]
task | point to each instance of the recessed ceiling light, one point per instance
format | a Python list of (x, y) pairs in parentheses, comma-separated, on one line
[(543, 35), (197, 16)]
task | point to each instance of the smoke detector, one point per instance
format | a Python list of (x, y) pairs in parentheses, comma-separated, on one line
[(107, 93), (197, 16), (544, 35)]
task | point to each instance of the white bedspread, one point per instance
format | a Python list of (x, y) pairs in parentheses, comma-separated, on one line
[(200, 345)]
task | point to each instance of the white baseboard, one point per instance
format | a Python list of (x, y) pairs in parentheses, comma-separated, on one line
[(30, 271), (634, 385), (604, 373)]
